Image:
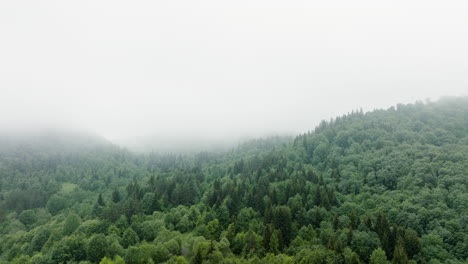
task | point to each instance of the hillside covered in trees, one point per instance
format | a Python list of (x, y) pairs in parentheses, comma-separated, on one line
[(388, 186)]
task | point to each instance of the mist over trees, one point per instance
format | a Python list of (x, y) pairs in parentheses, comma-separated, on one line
[(387, 186)]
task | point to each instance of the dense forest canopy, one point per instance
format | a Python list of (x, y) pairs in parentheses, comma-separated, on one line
[(387, 186)]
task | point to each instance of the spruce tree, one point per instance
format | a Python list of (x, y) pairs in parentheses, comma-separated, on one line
[(100, 200), (399, 253)]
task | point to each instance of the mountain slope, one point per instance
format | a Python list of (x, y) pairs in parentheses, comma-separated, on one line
[(363, 188)]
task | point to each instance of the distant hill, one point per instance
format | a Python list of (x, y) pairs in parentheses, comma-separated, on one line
[(49, 139)]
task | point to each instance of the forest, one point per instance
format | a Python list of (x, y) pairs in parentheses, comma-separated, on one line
[(386, 186)]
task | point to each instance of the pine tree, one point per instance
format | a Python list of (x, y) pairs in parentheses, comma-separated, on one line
[(399, 253), (100, 200), (355, 259), (378, 257), (268, 214), (412, 243), (331, 243), (283, 221), (354, 220), (198, 258), (349, 236), (386, 236), (115, 196), (336, 223), (267, 237), (274, 244)]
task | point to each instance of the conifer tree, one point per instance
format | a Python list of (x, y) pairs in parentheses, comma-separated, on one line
[(116, 196), (100, 200), (399, 253)]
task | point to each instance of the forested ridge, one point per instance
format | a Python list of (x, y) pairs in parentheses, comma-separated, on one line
[(387, 186)]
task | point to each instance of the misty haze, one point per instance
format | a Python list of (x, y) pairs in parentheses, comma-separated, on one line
[(233, 132)]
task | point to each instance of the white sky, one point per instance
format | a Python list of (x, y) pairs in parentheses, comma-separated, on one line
[(217, 68)]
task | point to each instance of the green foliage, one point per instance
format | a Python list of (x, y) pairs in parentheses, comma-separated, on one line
[(56, 203), (70, 248), (129, 238), (378, 257), (22, 259), (282, 221), (27, 217), (72, 222), (177, 260), (361, 188), (97, 248), (39, 239), (364, 243), (173, 247), (133, 256), (161, 253), (213, 230), (399, 254), (433, 248), (106, 260)]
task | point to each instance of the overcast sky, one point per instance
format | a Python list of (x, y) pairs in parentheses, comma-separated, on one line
[(222, 68)]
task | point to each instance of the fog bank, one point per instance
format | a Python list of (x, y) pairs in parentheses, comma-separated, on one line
[(222, 70)]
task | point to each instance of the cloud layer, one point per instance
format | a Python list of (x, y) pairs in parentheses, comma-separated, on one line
[(215, 68)]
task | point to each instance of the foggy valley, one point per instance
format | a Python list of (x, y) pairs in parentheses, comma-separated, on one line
[(251, 132)]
